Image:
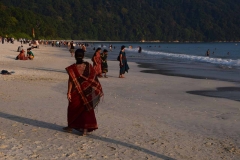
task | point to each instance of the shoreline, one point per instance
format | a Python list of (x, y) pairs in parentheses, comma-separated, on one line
[(221, 92)]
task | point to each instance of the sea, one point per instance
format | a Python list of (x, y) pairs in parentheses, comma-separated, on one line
[(181, 59)]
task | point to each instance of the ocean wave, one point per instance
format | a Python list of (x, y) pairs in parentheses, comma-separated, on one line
[(220, 61)]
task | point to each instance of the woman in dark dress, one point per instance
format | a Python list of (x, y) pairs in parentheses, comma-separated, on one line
[(123, 62)]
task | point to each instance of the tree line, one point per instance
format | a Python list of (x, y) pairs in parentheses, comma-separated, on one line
[(122, 20)]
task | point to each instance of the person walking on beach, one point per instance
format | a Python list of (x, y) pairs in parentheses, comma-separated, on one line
[(97, 62), (84, 93), (104, 62), (123, 62)]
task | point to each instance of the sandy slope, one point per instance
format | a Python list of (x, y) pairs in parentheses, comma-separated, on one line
[(144, 116)]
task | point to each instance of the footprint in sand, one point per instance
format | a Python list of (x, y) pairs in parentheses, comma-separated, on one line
[(37, 142), (3, 146)]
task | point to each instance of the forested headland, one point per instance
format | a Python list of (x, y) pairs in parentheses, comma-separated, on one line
[(122, 20)]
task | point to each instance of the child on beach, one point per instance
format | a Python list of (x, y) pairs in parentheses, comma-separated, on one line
[(104, 62), (30, 55)]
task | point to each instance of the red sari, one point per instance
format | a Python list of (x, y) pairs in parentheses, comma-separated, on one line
[(85, 96), (21, 56), (97, 64)]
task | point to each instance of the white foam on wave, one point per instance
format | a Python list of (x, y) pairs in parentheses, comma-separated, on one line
[(220, 61)]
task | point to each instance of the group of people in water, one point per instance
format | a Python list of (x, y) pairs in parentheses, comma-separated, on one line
[(208, 53)]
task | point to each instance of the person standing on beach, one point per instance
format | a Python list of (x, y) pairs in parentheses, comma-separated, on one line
[(71, 48), (37, 43), (2, 40), (104, 62), (21, 40), (84, 93), (97, 62), (123, 62), (84, 47)]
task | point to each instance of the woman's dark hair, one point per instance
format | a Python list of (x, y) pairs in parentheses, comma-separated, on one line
[(79, 54), (98, 49), (96, 52)]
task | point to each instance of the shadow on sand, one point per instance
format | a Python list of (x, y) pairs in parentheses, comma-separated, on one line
[(47, 69), (14, 58), (232, 93), (56, 127)]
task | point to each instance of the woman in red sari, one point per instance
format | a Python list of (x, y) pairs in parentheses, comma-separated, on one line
[(97, 62), (84, 93), (21, 56)]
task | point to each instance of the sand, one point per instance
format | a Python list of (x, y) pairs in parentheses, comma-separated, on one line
[(143, 116)]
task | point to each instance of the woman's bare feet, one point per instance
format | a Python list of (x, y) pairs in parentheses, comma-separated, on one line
[(85, 132), (67, 129), (121, 76)]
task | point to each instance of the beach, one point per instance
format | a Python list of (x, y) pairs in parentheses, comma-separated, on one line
[(142, 116)]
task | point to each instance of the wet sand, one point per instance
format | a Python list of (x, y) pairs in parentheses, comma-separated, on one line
[(197, 71), (143, 116)]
